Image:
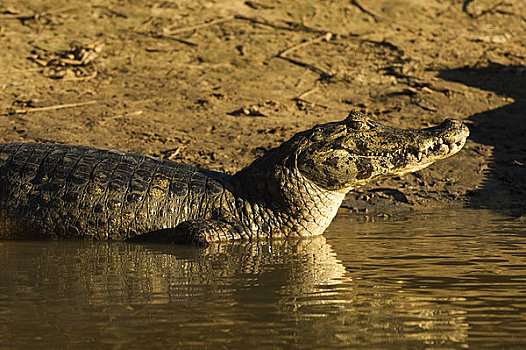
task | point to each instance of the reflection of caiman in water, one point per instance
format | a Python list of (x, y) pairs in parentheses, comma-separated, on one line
[(98, 273), (136, 273), (294, 291), (294, 190)]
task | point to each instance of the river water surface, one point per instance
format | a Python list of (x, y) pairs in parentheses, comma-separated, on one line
[(449, 279)]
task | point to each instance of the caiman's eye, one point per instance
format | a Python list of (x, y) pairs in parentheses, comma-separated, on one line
[(357, 124)]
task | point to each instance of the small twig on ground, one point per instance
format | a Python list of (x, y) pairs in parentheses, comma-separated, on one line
[(170, 37), (35, 15), (110, 10), (364, 10), (168, 33), (323, 74), (326, 36), (510, 13), (146, 22), (182, 41), (15, 71), (308, 92), (117, 116), (301, 98), (296, 27), (307, 102), (48, 108), (257, 5), (197, 26), (492, 9)]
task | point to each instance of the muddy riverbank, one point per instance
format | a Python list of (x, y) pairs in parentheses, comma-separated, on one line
[(217, 83)]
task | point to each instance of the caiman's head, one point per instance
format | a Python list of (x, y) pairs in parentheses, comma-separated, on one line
[(357, 150)]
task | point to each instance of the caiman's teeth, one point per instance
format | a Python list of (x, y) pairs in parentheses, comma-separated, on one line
[(438, 145)]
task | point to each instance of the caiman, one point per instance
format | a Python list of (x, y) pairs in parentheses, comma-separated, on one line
[(53, 190)]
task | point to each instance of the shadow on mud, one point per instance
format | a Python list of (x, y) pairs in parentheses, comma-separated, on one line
[(504, 129)]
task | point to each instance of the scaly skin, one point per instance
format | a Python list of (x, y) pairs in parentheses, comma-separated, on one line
[(49, 190)]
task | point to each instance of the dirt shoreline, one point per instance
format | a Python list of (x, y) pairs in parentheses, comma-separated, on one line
[(216, 84)]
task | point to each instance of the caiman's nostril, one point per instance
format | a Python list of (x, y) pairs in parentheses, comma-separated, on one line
[(453, 124)]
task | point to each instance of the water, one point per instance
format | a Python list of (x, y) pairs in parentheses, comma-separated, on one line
[(446, 280)]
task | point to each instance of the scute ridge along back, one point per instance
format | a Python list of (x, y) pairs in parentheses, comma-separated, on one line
[(49, 190)]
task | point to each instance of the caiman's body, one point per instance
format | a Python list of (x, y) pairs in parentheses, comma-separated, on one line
[(51, 190)]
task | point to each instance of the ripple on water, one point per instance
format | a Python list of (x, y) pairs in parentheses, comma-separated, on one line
[(444, 279)]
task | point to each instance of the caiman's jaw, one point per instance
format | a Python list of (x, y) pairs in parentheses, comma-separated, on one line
[(358, 150), (432, 149)]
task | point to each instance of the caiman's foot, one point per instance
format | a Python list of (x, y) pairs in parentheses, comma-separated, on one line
[(197, 232), (204, 232)]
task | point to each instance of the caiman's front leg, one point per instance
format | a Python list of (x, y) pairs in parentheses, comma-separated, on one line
[(198, 232), (202, 232)]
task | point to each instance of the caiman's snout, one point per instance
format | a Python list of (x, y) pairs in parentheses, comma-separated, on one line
[(441, 141), (453, 132), (358, 150)]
